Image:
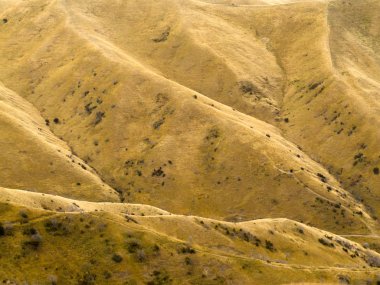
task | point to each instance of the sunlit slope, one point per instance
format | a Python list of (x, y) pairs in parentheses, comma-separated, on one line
[(332, 75), (154, 139), (100, 245), (328, 53), (32, 158)]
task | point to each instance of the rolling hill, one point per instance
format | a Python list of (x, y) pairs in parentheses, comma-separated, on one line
[(189, 142)]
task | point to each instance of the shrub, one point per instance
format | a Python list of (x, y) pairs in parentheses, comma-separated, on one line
[(56, 121), (99, 117), (24, 214), (344, 279), (376, 171), (6, 229), (35, 241), (269, 245), (373, 261), (247, 87), (5, 20), (140, 255), (54, 227), (326, 242), (188, 261), (187, 250), (117, 258), (213, 134), (322, 177), (159, 278), (107, 275), (314, 85), (30, 231), (87, 279), (158, 172), (157, 125), (133, 246), (163, 37)]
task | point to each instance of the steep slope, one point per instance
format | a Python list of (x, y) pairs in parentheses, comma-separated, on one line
[(330, 68), (157, 141), (323, 90), (32, 158), (245, 133)]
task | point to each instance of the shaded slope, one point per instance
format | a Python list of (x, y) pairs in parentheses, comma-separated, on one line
[(33, 159)]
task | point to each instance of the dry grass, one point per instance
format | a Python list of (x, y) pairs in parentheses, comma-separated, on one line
[(233, 111)]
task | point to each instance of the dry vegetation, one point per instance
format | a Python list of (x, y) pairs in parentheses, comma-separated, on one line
[(189, 142)]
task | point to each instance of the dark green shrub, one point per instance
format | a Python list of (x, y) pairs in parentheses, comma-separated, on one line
[(117, 258)]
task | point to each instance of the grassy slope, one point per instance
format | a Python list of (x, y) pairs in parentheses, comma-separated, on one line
[(186, 112), (32, 158), (79, 246), (79, 69)]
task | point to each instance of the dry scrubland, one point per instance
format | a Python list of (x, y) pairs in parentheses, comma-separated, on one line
[(189, 142)]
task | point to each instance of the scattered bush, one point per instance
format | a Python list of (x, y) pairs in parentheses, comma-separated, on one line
[(56, 228), (158, 172), (322, 177), (247, 87), (373, 261), (156, 248), (163, 37), (133, 246), (140, 255), (157, 125), (89, 108), (325, 242), (6, 229), (117, 258), (213, 134), (343, 279), (188, 261), (269, 245), (187, 250), (159, 278), (99, 117), (87, 279), (35, 241), (301, 231), (2, 230), (24, 217), (107, 275), (314, 85)]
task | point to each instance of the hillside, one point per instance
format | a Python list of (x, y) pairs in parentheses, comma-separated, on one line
[(96, 243), (205, 124)]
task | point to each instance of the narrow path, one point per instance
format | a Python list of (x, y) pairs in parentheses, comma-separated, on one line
[(229, 255)]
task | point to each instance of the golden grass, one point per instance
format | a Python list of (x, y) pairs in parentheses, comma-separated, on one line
[(207, 124)]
